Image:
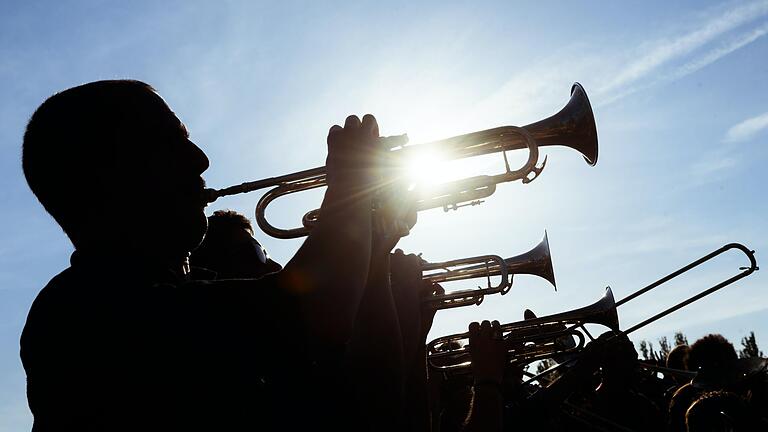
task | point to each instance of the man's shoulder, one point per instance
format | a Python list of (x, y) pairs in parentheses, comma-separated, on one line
[(66, 300), (47, 315), (57, 291)]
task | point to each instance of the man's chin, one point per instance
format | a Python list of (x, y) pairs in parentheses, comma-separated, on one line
[(186, 231), (197, 231)]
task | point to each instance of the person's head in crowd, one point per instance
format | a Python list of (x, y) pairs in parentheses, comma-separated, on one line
[(230, 250), (755, 388), (711, 351), (678, 406), (678, 357), (720, 411), (619, 363), (528, 314), (97, 155)]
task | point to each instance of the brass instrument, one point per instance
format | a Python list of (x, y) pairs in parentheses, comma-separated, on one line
[(536, 330), (602, 312), (536, 262), (451, 356), (679, 373), (573, 126)]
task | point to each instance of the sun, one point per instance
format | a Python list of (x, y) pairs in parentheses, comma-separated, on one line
[(430, 166), (425, 164), (426, 168)]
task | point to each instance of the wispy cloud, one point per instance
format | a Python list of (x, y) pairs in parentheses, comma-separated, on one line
[(650, 236), (608, 95), (713, 165), (715, 54), (659, 242), (612, 75), (710, 167), (661, 60), (669, 50), (747, 128)]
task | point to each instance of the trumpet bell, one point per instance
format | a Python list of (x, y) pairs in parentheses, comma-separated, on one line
[(536, 262), (573, 126), (602, 312)]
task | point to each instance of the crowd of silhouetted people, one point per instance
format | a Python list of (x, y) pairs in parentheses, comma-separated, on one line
[(170, 320), (701, 387)]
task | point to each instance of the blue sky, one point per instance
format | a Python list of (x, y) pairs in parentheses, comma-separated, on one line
[(678, 90)]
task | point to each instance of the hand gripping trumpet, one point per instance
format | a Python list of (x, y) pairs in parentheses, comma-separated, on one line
[(573, 126), (536, 262), (547, 330)]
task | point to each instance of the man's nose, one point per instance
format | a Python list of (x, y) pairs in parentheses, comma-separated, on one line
[(198, 158)]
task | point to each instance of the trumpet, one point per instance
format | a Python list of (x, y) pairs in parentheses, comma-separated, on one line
[(523, 346), (603, 312), (573, 126), (536, 262)]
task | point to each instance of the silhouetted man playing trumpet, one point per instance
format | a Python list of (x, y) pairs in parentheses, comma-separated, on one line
[(123, 339)]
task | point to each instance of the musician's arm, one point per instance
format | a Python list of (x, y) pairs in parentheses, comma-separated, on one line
[(329, 272), (415, 317), (375, 351), (488, 351)]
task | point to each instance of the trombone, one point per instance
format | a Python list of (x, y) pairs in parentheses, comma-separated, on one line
[(679, 373), (536, 262), (602, 312), (573, 126)]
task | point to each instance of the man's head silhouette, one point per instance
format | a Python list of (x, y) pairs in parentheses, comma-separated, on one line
[(114, 166), (230, 250)]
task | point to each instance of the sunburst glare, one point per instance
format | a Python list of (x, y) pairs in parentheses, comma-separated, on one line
[(432, 167)]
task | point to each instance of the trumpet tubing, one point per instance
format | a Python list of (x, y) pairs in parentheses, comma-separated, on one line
[(573, 126), (445, 272)]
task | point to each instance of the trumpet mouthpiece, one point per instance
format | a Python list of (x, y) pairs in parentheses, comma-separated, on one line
[(209, 195)]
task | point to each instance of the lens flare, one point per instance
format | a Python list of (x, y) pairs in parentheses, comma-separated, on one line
[(431, 167)]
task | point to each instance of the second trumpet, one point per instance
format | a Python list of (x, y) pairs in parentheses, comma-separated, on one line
[(536, 262)]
